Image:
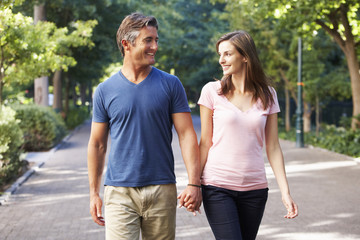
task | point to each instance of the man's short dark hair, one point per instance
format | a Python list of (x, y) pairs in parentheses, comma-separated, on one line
[(130, 28)]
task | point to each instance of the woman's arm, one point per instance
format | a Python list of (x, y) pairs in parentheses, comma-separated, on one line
[(276, 160), (206, 116)]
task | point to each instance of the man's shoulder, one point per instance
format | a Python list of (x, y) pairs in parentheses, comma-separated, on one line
[(113, 78), (164, 75), (109, 82)]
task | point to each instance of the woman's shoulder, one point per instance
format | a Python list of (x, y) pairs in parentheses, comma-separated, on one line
[(273, 91), (212, 86)]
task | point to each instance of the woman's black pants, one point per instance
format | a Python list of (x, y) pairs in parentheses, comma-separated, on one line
[(234, 215)]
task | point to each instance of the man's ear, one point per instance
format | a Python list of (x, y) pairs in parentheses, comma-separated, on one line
[(126, 45)]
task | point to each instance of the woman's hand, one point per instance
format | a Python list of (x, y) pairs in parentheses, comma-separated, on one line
[(291, 207)]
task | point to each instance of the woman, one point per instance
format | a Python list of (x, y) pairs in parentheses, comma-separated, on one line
[(238, 114)]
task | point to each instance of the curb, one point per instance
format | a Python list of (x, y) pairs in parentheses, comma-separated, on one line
[(357, 160), (309, 146), (21, 180)]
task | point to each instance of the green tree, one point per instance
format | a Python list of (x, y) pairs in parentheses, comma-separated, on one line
[(188, 31), (29, 51), (340, 19), (10, 3), (91, 63)]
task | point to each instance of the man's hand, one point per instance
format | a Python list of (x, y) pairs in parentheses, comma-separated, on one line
[(95, 209), (191, 199)]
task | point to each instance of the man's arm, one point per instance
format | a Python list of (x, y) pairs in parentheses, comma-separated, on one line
[(191, 196), (96, 159)]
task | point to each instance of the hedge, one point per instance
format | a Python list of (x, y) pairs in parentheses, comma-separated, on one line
[(11, 139), (42, 127)]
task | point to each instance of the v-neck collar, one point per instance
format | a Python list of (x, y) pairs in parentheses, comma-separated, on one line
[(238, 109), (136, 84)]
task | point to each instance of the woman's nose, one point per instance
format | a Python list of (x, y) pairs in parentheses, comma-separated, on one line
[(221, 59)]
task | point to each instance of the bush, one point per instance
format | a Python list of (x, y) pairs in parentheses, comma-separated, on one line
[(336, 139), (42, 127), (11, 138), (76, 116)]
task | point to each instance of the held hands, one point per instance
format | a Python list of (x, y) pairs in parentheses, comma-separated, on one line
[(95, 209), (191, 199), (292, 208)]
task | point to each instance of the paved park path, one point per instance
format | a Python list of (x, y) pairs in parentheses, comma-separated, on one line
[(54, 203)]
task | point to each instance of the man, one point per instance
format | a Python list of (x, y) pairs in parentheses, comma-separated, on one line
[(138, 106)]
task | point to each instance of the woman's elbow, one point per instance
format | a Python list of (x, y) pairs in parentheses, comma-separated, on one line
[(205, 144)]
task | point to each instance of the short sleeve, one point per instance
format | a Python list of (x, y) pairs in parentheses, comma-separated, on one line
[(99, 110), (206, 97), (179, 100), (275, 108)]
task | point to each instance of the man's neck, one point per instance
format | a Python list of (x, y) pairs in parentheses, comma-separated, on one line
[(134, 73)]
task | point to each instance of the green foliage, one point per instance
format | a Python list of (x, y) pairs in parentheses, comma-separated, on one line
[(76, 116), (186, 30), (10, 143), (30, 51), (276, 27), (91, 63), (336, 139), (42, 127), (10, 3)]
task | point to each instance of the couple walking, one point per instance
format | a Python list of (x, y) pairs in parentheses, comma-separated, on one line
[(138, 107)]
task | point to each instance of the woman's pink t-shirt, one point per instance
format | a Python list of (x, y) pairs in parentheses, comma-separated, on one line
[(235, 160)]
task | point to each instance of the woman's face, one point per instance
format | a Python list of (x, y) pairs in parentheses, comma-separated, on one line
[(231, 61)]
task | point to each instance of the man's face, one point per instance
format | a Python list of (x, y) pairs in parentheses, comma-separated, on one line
[(142, 53)]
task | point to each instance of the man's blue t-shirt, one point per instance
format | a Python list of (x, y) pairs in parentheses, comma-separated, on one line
[(140, 123)]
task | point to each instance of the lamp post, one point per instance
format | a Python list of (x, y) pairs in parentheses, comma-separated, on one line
[(300, 109)]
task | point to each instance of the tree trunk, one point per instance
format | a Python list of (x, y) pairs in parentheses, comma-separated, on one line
[(288, 91), (41, 91), (67, 93), (1, 86), (57, 104), (90, 97), (287, 110), (83, 94), (348, 46), (2, 75), (307, 117), (39, 13), (74, 94), (317, 116), (41, 85), (353, 67), (288, 85)]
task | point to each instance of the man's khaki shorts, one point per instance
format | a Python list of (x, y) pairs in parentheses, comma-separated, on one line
[(151, 209)]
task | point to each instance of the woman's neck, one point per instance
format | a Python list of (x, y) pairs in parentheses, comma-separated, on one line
[(238, 81)]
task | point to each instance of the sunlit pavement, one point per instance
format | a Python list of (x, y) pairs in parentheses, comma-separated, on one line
[(53, 203)]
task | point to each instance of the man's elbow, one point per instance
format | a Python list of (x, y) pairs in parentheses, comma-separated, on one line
[(97, 146)]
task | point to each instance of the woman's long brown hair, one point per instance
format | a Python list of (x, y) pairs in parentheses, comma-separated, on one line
[(256, 81)]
